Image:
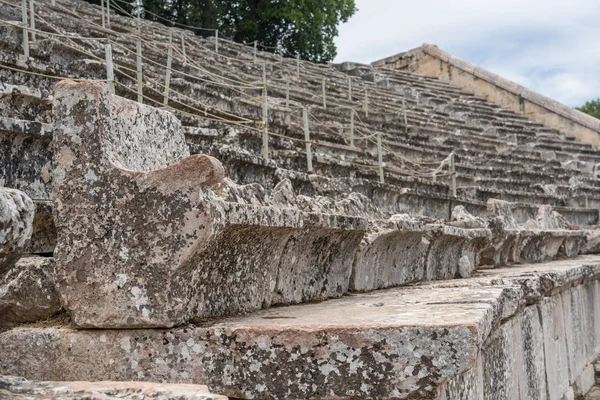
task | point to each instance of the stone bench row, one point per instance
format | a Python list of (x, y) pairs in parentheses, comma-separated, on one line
[(216, 241), (517, 333)]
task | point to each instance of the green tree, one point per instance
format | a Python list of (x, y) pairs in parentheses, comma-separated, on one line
[(591, 107), (304, 28)]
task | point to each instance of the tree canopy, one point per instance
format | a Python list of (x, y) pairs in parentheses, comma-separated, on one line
[(304, 28), (591, 107)]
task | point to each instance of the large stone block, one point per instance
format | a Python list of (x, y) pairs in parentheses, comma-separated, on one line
[(28, 292), (145, 241), (399, 343), (555, 346), (408, 249), (537, 240), (16, 221), (574, 331)]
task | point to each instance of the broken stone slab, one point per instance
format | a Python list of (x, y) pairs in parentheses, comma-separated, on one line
[(28, 292), (12, 387), (408, 249), (16, 221), (411, 342), (539, 240), (144, 241)]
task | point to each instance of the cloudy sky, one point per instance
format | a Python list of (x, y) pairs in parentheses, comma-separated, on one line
[(550, 46)]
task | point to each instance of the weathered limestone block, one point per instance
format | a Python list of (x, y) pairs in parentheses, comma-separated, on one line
[(537, 240), (408, 249), (28, 292), (144, 241), (12, 387), (454, 252), (498, 335), (394, 253), (555, 346), (592, 242), (16, 220), (399, 343)]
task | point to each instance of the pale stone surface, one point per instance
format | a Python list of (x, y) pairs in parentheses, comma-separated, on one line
[(574, 329), (21, 389), (144, 241), (396, 343), (28, 292), (408, 249), (16, 220), (584, 382), (537, 240), (422, 341), (555, 347)]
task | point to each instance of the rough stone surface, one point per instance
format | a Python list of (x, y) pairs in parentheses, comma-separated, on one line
[(21, 389), (143, 241), (536, 240), (28, 292), (501, 333), (402, 250), (16, 220)]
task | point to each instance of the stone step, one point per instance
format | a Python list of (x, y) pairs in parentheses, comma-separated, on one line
[(424, 341), (17, 388)]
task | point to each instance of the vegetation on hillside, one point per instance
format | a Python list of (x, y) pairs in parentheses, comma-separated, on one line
[(591, 107), (304, 28)]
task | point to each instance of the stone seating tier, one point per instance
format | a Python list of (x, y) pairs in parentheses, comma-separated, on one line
[(532, 330)]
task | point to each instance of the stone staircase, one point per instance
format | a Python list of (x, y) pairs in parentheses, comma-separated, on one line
[(283, 234)]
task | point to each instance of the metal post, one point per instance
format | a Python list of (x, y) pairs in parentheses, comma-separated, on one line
[(366, 105), (183, 49), (255, 50), (380, 159), (108, 13), (586, 202), (25, 30), (324, 95), (168, 73), (307, 139), (110, 73), (32, 20), (216, 40), (287, 93), (140, 94), (264, 74), (352, 127), (298, 65), (350, 88), (453, 173), (102, 10), (265, 120), (405, 119)]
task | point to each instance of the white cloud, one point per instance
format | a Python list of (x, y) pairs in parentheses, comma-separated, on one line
[(550, 46)]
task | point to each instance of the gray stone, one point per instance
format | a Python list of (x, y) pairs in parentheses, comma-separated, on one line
[(144, 241), (584, 382), (458, 337), (538, 240), (555, 347), (403, 249), (28, 292), (16, 221), (461, 218), (12, 387)]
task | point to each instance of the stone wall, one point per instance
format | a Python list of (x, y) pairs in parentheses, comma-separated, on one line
[(429, 60)]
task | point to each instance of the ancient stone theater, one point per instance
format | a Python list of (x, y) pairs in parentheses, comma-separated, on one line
[(187, 218)]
